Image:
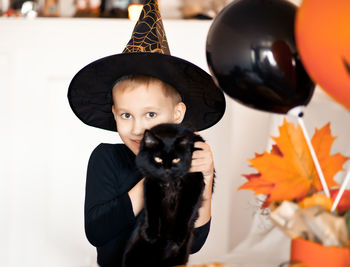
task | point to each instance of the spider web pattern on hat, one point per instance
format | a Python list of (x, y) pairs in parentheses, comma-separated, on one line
[(148, 34)]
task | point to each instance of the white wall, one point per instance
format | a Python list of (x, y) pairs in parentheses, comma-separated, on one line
[(45, 148)]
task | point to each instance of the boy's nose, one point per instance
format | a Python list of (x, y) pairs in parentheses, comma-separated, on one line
[(138, 128)]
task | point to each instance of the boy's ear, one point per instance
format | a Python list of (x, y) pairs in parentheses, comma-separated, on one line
[(113, 111), (150, 141), (179, 112)]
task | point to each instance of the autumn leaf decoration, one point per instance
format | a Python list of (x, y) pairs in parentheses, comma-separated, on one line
[(287, 172)]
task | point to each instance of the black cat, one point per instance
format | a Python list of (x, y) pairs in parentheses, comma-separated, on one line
[(172, 197)]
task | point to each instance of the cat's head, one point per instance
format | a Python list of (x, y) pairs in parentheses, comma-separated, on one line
[(166, 151)]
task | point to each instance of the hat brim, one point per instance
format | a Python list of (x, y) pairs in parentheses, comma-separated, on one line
[(90, 95)]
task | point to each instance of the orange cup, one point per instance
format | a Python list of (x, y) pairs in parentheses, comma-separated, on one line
[(316, 255)]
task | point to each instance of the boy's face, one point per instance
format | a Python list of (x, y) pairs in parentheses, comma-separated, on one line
[(140, 108)]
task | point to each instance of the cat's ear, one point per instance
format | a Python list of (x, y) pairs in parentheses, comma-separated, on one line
[(183, 141), (149, 139)]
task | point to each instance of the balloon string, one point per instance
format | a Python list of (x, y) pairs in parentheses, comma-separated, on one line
[(314, 157), (341, 191)]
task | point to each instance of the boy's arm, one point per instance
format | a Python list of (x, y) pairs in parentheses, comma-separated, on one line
[(204, 213), (202, 161), (108, 212), (136, 197), (200, 235)]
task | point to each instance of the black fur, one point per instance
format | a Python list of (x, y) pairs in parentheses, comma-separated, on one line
[(172, 196)]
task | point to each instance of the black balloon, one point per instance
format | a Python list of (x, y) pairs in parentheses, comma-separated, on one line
[(251, 53)]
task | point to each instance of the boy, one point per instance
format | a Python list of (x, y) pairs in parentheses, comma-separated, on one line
[(129, 93), (140, 102)]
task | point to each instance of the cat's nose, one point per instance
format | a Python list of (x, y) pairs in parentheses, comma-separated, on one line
[(167, 171)]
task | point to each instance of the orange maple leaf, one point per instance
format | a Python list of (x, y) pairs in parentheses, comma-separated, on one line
[(287, 172), (330, 164)]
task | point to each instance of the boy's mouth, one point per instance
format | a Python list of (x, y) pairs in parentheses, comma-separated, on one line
[(136, 141)]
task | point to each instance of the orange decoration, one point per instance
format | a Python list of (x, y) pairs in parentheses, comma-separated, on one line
[(330, 164), (315, 255), (322, 32), (344, 203), (288, 172), (316, 200)]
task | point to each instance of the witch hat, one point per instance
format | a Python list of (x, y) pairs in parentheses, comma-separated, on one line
[(147, 53)]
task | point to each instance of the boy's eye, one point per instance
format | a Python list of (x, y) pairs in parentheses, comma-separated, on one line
[(176, 160), (158, 159), (151, 115), (126, 115)]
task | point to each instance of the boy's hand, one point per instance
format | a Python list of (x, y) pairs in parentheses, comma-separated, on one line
[(202, 161)]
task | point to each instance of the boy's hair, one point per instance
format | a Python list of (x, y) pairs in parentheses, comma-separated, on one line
[(131, 81)]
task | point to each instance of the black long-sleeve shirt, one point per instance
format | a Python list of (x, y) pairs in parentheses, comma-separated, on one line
[(109, 217)]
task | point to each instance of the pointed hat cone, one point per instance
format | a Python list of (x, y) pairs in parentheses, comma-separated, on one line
[(149, 34)]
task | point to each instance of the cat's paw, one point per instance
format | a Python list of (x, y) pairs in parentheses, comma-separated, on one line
[(172, 249), (149, 235)]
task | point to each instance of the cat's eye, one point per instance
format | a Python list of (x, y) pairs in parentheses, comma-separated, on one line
[(158, 159), (151, 114), (176, 160)]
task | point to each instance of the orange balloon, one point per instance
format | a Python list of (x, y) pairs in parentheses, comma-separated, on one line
[(322, 32)]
